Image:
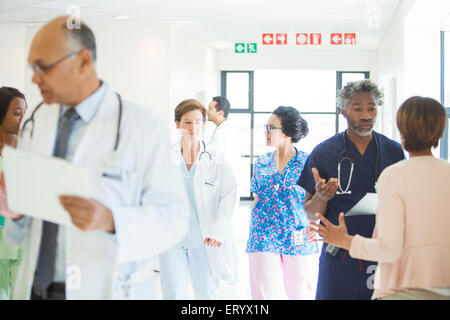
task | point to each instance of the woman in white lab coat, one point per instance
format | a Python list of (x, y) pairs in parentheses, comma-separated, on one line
[(206, 253)]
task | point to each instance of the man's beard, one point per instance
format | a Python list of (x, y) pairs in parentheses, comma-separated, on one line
[(355, 127)]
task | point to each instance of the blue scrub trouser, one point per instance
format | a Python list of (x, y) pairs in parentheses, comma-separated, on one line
[(344, 278), (177, 264)]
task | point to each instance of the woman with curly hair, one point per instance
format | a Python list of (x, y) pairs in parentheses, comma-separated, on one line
[(277, 240)]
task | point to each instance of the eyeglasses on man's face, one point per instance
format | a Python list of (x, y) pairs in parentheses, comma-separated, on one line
[(44, 69), (269, 128)]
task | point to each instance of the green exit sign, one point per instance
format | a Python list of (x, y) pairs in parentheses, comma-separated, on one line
[(251, 48), (240, 47)]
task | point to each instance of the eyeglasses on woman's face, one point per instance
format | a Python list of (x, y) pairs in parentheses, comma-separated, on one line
[(268, 128)]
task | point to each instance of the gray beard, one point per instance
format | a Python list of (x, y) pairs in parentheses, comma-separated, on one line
[(362, 133)]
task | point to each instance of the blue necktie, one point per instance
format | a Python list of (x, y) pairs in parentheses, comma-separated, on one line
[(45, 268)]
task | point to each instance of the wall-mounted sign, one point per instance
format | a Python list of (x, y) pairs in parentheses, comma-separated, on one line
[(350, 38), (251, 48), (313, 38), (302, 38), (267, 38), (336, 38), (347, 38), (240, 47), (274, 38), (281, 38)]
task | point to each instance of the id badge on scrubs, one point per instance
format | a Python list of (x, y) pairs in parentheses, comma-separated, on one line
[(299, 237)]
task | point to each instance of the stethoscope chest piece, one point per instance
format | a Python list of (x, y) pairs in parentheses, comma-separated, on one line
[(345, 155)]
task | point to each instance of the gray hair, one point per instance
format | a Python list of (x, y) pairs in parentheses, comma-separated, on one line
[(81, 37), (355, 87)]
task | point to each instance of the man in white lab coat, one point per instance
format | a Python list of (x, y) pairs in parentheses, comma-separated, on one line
[(224, 137), (138, 199)]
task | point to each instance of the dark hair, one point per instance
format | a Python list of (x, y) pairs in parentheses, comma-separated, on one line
[(421, 122), (293, 124), (222, 104), (189, 105), (7, 94), (82, 36)]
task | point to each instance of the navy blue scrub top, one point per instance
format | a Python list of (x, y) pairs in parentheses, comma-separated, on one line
[(325, 159)]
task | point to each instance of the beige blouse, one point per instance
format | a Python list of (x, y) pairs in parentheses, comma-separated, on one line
[(412, 238)]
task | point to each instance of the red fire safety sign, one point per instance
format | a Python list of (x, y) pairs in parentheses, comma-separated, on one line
[(350, 38), (336, 38), (302, 38), (281, 38), (267, 38), (315, 38)]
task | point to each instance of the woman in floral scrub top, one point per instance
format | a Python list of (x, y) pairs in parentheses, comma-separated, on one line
[(278, 214)]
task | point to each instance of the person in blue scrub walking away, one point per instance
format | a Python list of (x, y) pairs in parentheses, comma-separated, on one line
[(338, 173), (206, 255), (278, 241)]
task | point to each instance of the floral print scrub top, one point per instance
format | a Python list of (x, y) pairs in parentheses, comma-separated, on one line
[(279, 210)]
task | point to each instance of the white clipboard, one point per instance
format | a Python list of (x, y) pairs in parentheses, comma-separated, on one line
[(34, 184), (366, 206)]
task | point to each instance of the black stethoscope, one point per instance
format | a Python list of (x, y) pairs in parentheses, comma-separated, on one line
[(209, 179), (30, 120), (111, 160), (345, 155), (204, 152)]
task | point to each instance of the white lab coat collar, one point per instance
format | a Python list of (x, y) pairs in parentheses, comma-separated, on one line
[(223, 126), (108, 109), (177, 148)]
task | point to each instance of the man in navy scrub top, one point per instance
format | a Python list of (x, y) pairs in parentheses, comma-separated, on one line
[(362, 154)]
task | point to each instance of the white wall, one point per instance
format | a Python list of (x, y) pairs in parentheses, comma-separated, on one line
[(389, 71), (193, 71), (151, 64), (297, 58), (422, 42), (134, 59), (12, 56), (408, 59)]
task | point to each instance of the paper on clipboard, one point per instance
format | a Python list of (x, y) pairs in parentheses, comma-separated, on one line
[(34, 183), (366, 206)]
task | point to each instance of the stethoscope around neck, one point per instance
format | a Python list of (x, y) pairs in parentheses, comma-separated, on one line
[(345, 155), (111, 159), (210, 170)]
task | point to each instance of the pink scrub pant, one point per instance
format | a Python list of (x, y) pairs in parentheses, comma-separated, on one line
[(299, 274)]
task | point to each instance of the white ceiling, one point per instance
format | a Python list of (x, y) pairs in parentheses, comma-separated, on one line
[(224, 22)]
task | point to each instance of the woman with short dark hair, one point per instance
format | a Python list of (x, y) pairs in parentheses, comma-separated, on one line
[(411, 241), (12, 110), (277, 240)]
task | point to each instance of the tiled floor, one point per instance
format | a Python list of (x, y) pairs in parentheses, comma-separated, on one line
[(241, 289)]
